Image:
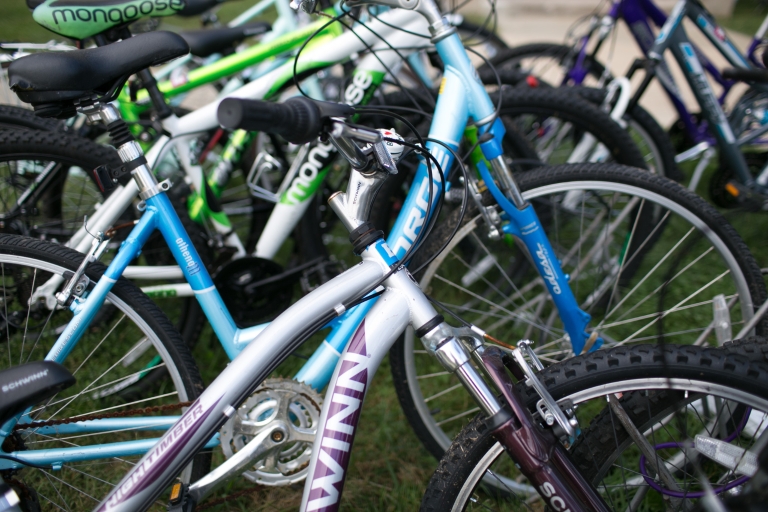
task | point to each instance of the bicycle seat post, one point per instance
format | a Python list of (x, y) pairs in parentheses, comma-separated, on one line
[(128, 149)]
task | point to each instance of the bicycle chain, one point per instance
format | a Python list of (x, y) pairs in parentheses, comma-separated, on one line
[(89, 417)]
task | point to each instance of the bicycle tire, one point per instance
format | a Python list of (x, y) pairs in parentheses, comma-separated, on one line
[(509, 58), (658, 149), (631, 369), (16, 117), (22, 256), (649, 129), (70, 153), (402, 359), (579, 113), (80, 153)]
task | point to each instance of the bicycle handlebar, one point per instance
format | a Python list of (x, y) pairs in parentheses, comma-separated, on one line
[(298, 120), (746, 75)]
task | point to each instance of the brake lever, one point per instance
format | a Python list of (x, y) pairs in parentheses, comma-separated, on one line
[(343, 137)]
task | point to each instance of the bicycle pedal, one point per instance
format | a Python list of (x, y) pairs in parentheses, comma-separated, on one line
[(180, 500), (747, 198)]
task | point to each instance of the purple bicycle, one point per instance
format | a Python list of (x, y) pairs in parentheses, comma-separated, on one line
[(739, 137)]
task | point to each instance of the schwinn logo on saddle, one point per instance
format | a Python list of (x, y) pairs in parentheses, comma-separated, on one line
[(192, 266), (339, 429), (546, 267), (26, 380), (63, 12)]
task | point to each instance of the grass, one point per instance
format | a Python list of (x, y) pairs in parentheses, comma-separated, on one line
[(389, 469), (747, 16)]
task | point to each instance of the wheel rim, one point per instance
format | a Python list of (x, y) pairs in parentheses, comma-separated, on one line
[(434, 392), (473, 496), (97, 365)]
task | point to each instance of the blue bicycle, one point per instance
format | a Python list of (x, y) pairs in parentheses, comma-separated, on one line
[(572, 256)]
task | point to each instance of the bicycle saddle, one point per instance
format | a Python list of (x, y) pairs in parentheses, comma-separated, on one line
[(53, 81), (80, 19), (205, 42), (195, 7), (28, 384)]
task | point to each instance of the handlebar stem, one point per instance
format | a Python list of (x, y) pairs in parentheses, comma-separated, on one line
[(354, 206)]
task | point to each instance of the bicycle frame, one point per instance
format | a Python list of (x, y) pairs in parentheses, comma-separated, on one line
[(639, 15), (401, 304), (462, 99)]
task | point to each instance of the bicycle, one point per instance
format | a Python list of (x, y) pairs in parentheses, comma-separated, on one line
[(150, 322), (712, 128)]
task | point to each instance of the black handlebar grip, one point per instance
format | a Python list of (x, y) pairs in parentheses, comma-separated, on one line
[(746, 75), (297, 120)]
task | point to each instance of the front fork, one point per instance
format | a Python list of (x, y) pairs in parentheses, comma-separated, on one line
[(525, 225), (535, 449)]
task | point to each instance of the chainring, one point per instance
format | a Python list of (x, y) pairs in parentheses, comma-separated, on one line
[(275, 399)]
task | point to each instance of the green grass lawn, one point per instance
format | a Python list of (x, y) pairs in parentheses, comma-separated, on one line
[(389, 468)]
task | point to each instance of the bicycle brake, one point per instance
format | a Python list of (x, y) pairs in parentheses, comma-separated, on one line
[(557, 415), (78, 283)]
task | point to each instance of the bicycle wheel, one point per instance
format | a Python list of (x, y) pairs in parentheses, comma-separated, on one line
[(680, 398), (17, 117), (550, 62), (592, 214), (62, 199), (101, 362), (560, 126), (650, 138)]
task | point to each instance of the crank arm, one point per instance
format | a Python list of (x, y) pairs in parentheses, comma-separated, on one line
[(241, 461)]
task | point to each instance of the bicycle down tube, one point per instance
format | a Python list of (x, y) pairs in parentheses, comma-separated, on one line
[(674, 38)]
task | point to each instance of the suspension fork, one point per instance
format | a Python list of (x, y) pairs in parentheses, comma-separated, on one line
[(526, 226), (542, 459)]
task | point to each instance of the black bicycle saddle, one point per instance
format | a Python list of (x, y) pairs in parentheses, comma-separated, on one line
[(205, 42), (25, 385), (53, 81)]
